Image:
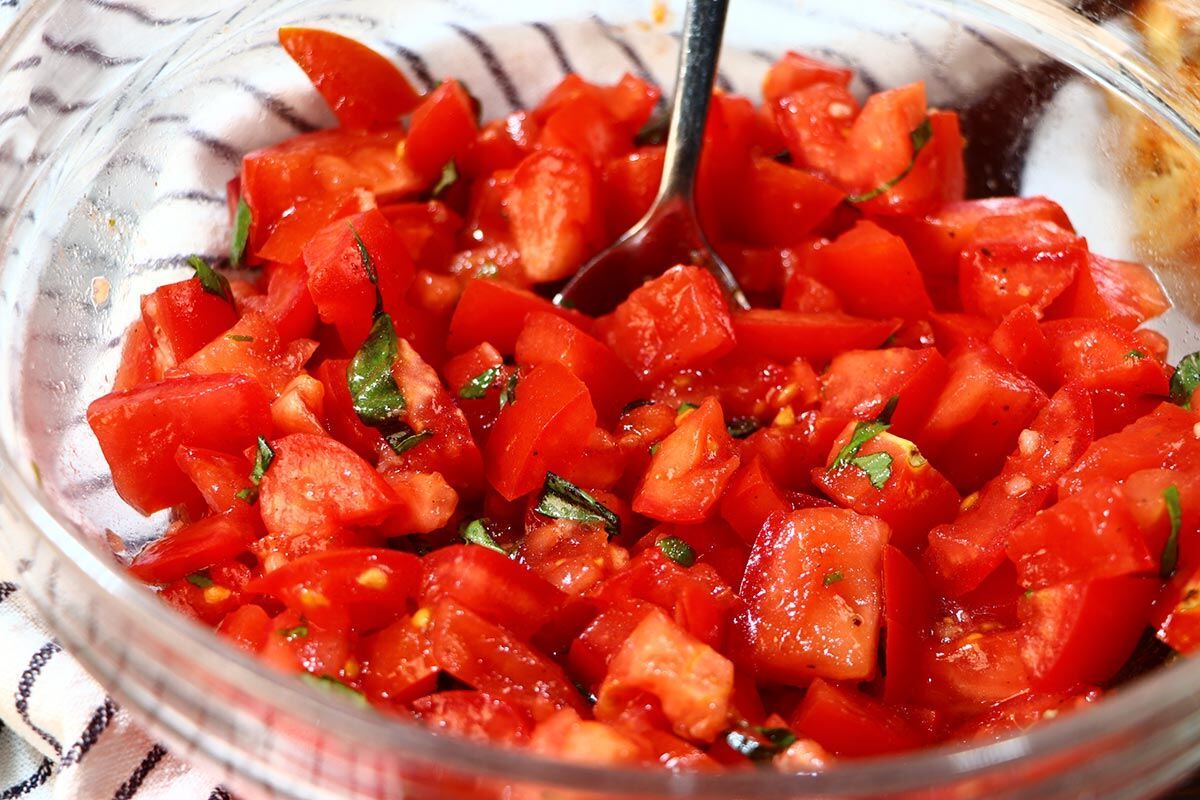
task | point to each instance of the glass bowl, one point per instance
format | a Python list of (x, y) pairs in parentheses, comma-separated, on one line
[(120, 124)]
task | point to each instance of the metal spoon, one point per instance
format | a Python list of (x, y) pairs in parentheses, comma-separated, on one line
[(669, 233)]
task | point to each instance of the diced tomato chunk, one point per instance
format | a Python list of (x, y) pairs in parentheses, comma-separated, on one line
[(794, 71), (399, 665), (183, 317), (817, 338), (812, 593), (781, 205), (873, 274), (473, 715), (196, 546), (860, 383), (594, 648), (1122, 292), (1164, 438), (1099, 355), (218, 476), (141, 429), (554, 213), (443, 129), (752, 497), (495, 313), (565, 735), (850, 724)]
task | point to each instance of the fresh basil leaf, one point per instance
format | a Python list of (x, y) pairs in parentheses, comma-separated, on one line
[(335, 687), (677, 550), (448, 178), (1135, 354), (863, 433), (405, 440), (478, 386), (211, 281), (263, 456), (200, 580), (759, 744), (365, 256), (241, 233), (475, 532), (298, 632), (741, 427), (1170, 553), (889, 408), (685, 407), (919, 138), (248, 495), (833, 577), (1186, 379), (237, 337), (377, 399), (508, 395), (561, 499), (878, 467)]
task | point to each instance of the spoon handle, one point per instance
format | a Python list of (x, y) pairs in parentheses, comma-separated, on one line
[(703, 29)]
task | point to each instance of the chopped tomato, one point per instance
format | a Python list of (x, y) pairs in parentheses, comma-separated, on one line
[(1121, 292), (398, 664), (196, 546), (443, 129), (847, 722), (873, 274), (218, 476), (782, 205), (473, 715), (794, 71), (817, 338), (861, 383), (554, 213), (492, 312), (183, 317), (752, 497)]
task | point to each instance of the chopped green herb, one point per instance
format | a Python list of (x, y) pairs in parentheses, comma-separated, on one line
[(211, 281), (889, 408), (863, 433), (677, 550), (449, 178), (1186, 379), (1170, 553), (478, 386), (632, 404), (241, 233), (237, 337), (335, 687), (247, 495), (377, 399), (1028, 593), (403, 441), (508, 395), (654, 447), (561, 499), (365, 255), (919, 137), (200, 580), (1135, 354), (298, 632), (685, 407), (759, 744), (475, 532), (878, 467), (263, 456), (741, 427), (37, 473), (833, 577), (654, 132)]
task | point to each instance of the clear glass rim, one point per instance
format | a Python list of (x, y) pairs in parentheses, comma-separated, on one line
[(1158, 698)]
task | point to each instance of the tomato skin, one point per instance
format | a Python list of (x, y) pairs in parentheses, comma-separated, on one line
[(314, 487), (1121, 292), (794, 71), (692, 681), (218, 476), (975, 422), (1096, 355), (398, 665), (913, 499), (860, 383), (1020, 341), (873, 274), (540, 431), (781, 205), (246, 626), (787, 601), (850, 724), (547, 338), (183, 317), (678, 320), (814, 122), (938, 173), (494, 661), (1077, 634), (750, 499), (565, 736), (964, 552), (630, 183), (140, 430), (196, 546), (492, 312), (363, 88), (688, 474), (907, 612), (817, 338), (1013, 261), (359, 588), (1165, 438), (554, 213), (338, 280), (288, 302), (442, 129), (322, 651), (286, 243), (473, 715), (251, 348), (499, 589), (594, 648), (137, 363)]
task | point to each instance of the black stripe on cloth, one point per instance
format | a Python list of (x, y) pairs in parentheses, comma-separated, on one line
[(492, 62), (130, 787), (97, 725), (44, 770), (551, 37), (25, 688), (141, 15), (639, 66), (417, 64), (220, 793), (7, 590), (87, 51)]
